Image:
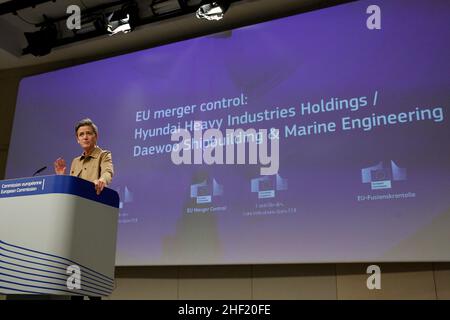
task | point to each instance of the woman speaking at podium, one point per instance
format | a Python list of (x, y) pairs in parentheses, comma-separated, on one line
[(94, 164)]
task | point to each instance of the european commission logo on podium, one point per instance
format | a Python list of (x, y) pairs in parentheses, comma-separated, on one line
[(267, 186), (203, 193), (381, 177)]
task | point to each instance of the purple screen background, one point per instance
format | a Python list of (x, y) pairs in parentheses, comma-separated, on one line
[(323, 54)]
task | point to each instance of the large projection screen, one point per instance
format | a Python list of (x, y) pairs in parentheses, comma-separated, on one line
[(359, 95)]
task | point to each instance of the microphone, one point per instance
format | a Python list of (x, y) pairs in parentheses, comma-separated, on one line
[(39, 171)]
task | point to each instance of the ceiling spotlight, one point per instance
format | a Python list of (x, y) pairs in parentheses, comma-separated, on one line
[(40, 43), (212, 11), (123, 21), (118, 26)]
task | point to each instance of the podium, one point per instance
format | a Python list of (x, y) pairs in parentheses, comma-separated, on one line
[(57, 237)]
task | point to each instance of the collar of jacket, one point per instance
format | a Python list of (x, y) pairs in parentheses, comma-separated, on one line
[(94, 154)]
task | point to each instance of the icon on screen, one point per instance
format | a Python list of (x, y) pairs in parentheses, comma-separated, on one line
[(381, 177), (267, 186), (204, 192), (125, 196)]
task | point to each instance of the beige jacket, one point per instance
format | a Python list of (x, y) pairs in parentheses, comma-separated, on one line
[(97, 165)]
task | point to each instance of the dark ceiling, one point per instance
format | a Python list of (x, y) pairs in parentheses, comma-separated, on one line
[(179, 22)]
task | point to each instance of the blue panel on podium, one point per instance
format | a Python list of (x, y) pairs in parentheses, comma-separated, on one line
[(57, 184)]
